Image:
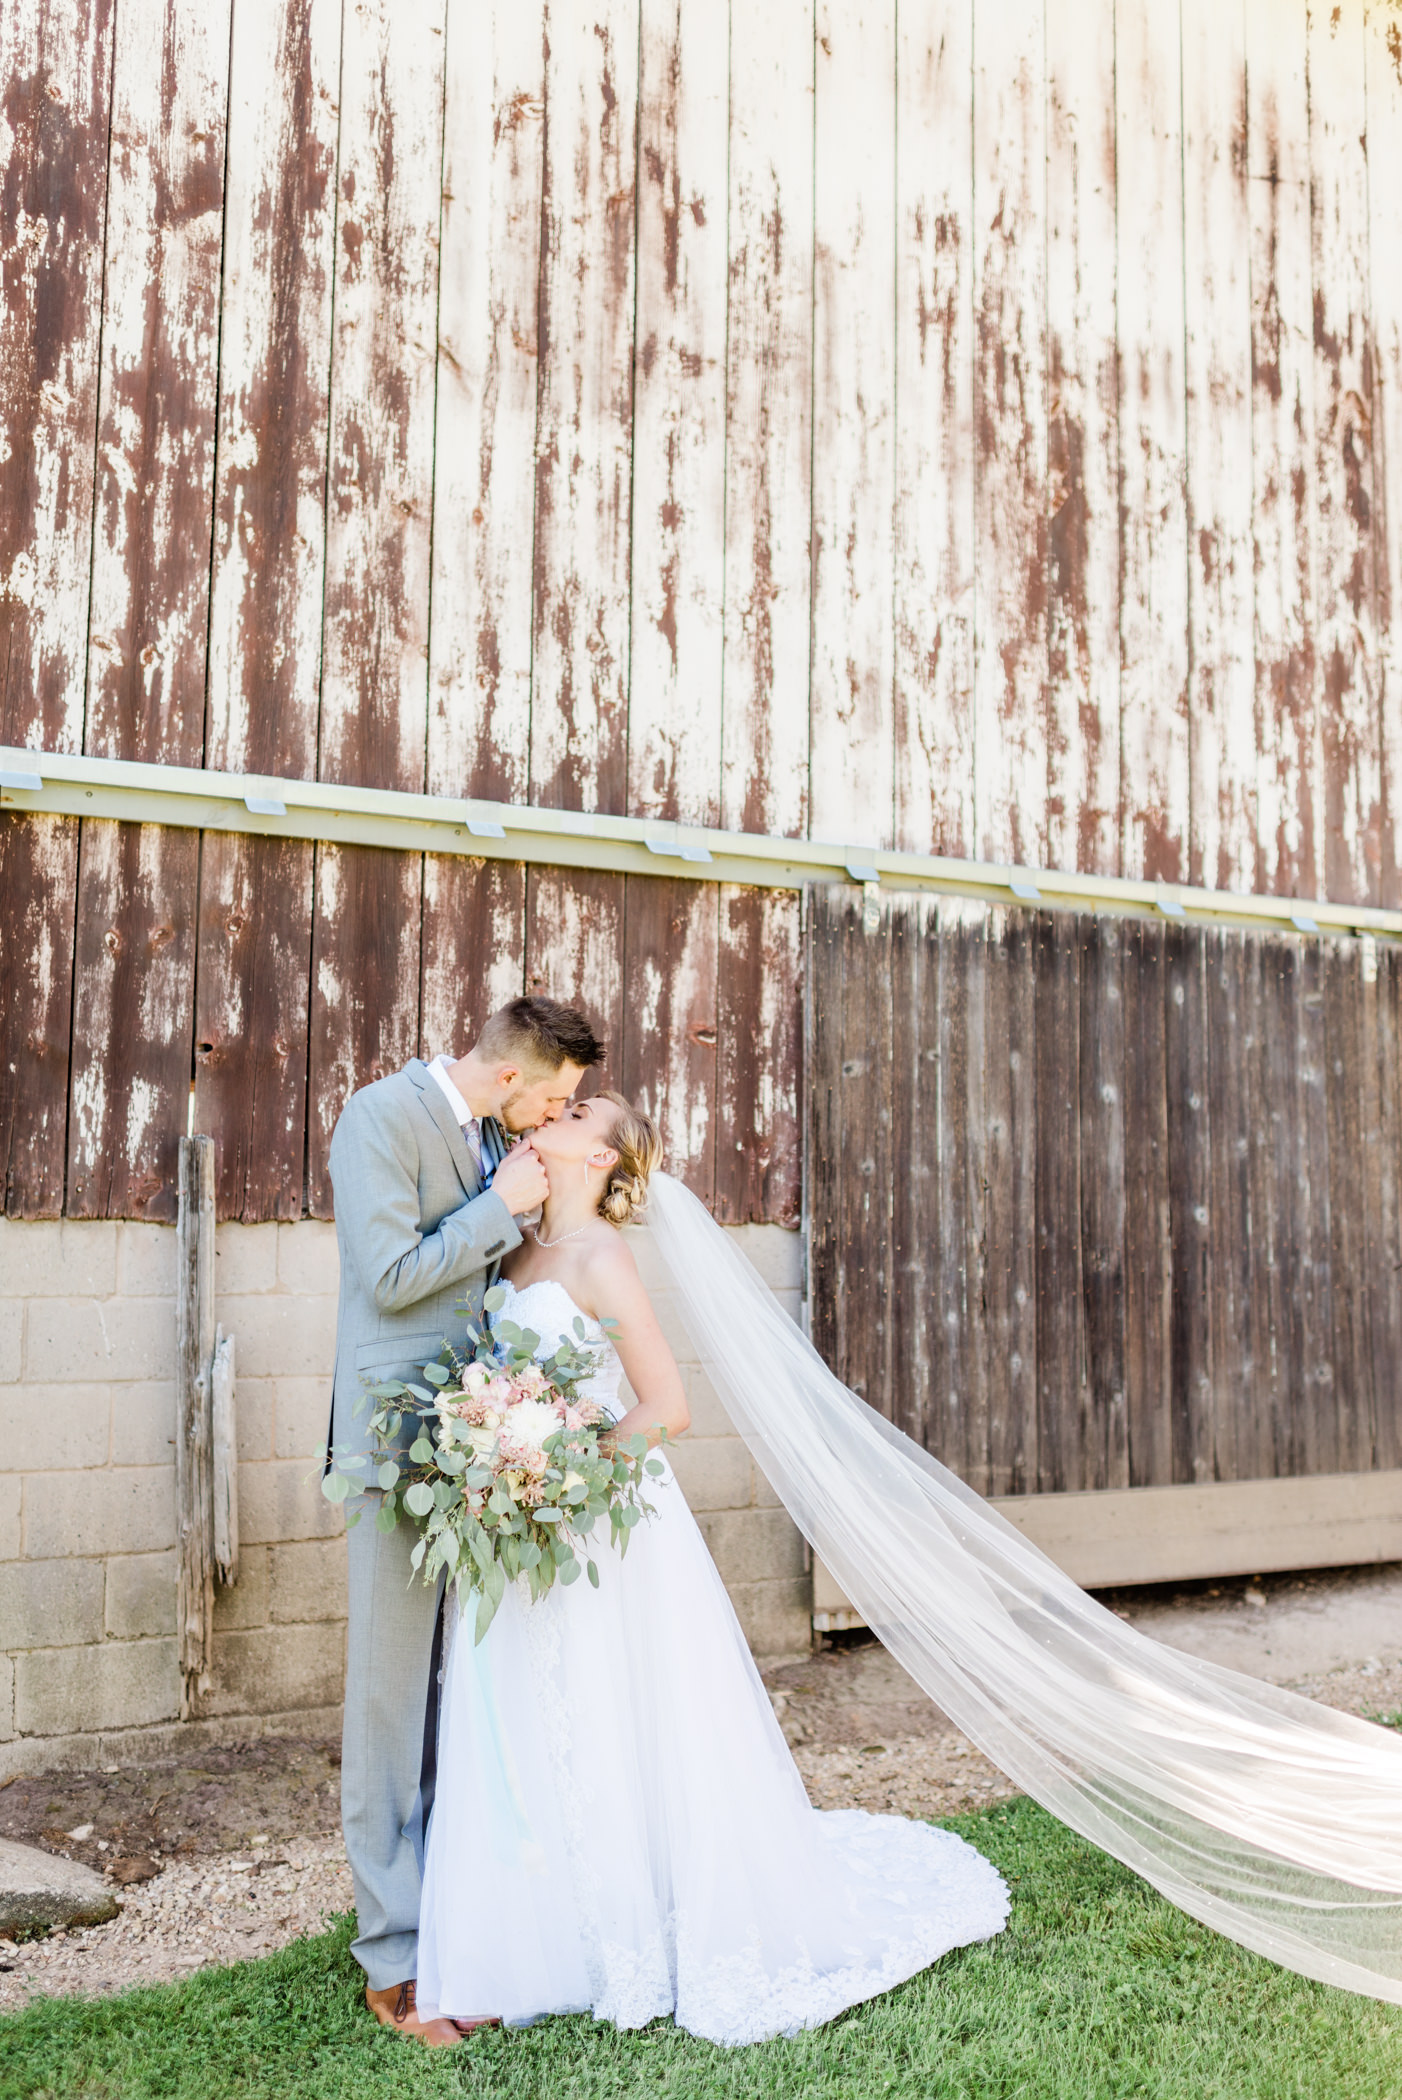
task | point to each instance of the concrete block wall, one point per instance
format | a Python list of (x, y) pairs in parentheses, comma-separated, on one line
[(87, 1490)]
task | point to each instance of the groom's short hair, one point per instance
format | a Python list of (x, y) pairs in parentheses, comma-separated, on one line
[(540, 1035)]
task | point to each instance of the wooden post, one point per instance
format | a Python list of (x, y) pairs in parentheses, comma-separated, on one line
[(194, 1341), (225, 1459)]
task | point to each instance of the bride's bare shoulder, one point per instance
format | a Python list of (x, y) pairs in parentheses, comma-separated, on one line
[(611, 1267)]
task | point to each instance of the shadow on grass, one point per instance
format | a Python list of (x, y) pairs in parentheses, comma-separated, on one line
[(1097, 1989)]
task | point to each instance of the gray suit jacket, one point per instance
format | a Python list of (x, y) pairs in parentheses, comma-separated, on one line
[(418, 1235)]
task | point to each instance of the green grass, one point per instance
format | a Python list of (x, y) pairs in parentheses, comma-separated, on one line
[(1098, 1989)]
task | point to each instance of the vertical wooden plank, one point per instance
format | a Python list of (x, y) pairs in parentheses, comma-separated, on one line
[(1261, 1445), (474, 948), (1343, 1035), (1010, 1078), (1154, 820), (374, 701), (1010, 432), (194, 1439), (671, 927), (852, 773), (941, 1134), (758, 1057), (917, 1267), (364, 1020), (251, 1005), (1319, 1385), (1233, 1253), (1383, 59), (865, 1107), (38, 881), (1148, 1243), (1217, 286), (583, 524), (934, 521), (1062, 1427), (133, 974), (1383, 1203), (978, 1423), (374, 697), (1289, 818), (1342, 481), (1083, 542), (1190, 1202), (484, 455), (574, 952), (252, 977), (823, 954), (156, 415), (678, 552), (55, 60), (1102, 1197), (769, 405)]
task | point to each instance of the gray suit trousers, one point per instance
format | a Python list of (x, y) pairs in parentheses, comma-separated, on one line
[(390, 1722)]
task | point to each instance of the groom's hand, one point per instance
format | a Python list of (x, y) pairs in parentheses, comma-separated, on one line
[(521, 1180)]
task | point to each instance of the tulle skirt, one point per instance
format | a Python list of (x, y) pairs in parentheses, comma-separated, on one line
[(618, 1826)]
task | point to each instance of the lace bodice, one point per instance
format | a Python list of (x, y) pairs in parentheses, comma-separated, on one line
[(547, 1309)]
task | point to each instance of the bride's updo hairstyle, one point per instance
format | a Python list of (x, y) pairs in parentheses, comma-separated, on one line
[(635, 1138)]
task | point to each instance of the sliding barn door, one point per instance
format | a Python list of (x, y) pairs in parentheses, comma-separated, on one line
[(1106, 1202)]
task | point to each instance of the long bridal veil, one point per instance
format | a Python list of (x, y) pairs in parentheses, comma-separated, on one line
[(1276, 1821)]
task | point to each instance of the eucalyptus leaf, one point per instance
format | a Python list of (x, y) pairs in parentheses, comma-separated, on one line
[(388, 1475), (421, 1451), (435, 1374), (419, 1498), (494, 1299), (653, 1466), (353, 1517), (569, 1570), (386, 1517), (593, 1573), (335, 1487), (486, 1612), (453, 1462), (545, 1515), (529, 1553)]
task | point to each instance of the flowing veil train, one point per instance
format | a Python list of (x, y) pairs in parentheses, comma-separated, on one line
[(1274, 1820)]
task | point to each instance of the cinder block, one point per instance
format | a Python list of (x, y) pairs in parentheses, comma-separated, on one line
[(146, 1257), (141, 1595), (11, 1497), (308, 1261), (54, 1425), (669, 1319), (282, 1337), (57, 1258), (7, 1699), (765, 1497), (282, 1499), (120, 1338), (308, 1581), (122, 1684), (302, 1415), (777, 1617), (143, 1424), (255, 1400), (245, 1603), (714, 1472), (128, 1510), (708, 1415), (277, 1668), (11, 1340), (753, 1545), (50, 1603), (775, 1250), (245, 1260)]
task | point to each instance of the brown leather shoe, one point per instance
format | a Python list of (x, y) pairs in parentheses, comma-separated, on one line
[(395, 2008)]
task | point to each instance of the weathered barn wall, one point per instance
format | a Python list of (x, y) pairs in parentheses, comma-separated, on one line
[(970, 427), (88, 1661)]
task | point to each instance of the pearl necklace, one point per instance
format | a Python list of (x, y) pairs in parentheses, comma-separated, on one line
[(560, 1239)]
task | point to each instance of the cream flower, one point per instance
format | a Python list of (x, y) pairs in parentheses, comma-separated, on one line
[(530, 1422)]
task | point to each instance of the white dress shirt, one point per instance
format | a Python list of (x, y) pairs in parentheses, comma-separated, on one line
[(471, 1127)]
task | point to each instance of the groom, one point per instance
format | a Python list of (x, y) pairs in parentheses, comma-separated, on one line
[(429, 1194)]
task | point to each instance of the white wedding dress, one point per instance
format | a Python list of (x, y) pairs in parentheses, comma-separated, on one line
[(618, 1826)]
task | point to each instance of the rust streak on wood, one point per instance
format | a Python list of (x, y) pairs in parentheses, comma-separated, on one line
[(474, 948), (852, 760), (1383, 31), (493, 174), (669, 1018), (579, 689), (1010, 435), (1083, 535), (758, 1057), (768, 492), (38, 886), (934, 514), (574, 952), (55, 65), (676, 647)]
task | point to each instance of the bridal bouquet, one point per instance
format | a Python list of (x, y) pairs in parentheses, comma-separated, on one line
[(505, 1474)]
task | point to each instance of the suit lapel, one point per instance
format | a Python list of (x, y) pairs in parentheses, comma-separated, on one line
[(495, 1145), (435, 1102)]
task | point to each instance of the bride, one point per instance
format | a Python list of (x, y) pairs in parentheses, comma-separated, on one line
[(619, 1827)]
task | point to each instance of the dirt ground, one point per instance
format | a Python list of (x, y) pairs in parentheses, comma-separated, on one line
[(233, 1852)]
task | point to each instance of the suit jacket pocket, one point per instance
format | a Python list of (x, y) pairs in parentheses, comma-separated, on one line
[(388, 1350)]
